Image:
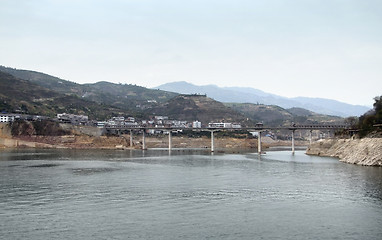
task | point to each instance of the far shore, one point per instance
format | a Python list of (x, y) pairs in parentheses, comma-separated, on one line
[(153, 142), (82, 137)]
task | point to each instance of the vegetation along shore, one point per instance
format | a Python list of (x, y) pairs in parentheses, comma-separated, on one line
[(364, 148)]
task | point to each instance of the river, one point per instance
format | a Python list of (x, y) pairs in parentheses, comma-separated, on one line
[(186, 194)]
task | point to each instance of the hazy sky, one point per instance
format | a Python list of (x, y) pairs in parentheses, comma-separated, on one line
[(314, 48)]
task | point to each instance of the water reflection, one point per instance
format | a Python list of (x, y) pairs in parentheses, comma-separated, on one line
[(88, 171), (184, 194), (45, 165)]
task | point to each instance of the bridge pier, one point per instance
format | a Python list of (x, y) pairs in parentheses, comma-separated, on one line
[(169, 140), (131, 138), (310, 137), (212, 142), (144, 140), (293, 141), (259, 143)]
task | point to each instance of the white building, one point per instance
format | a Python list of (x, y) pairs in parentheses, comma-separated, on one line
[(72, 118), (130, 119), (131, 124), (159, 118), (196, 124), (101, 124), (118, 119), (220, 125), (4, 118)]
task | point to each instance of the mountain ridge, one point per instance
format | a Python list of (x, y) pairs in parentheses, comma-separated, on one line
[(41, 93), (199, 107), (124, 96), (23, 96), (252, 95)]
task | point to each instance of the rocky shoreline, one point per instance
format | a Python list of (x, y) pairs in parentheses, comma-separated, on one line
[(365, 151)]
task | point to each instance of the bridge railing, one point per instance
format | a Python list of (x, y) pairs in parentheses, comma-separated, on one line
[(258, 128)]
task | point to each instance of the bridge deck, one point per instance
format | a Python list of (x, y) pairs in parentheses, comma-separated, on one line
[(256, 128)]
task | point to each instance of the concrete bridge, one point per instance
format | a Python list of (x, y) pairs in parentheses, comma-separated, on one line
[(258, 128)]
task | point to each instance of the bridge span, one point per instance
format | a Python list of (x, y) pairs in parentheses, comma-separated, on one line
[(258, 128)]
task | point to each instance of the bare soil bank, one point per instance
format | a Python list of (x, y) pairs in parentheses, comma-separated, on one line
[(90, 138), (366, 151), (107, 142)]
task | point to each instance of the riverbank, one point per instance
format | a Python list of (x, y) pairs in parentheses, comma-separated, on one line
[(91, 138), (365, 151), (123, 142)]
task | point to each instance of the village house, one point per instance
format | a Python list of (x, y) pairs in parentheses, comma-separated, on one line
[(196, 124), (224, 125), (4, 118), (72, 118)]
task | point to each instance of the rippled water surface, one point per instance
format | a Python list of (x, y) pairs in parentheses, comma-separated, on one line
[(62, 194)]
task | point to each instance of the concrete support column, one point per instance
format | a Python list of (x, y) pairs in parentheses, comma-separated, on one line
[(293, 141), (212, 142), (169, 140), (144, 140), (131, 138), (310, 136), (259, 143)]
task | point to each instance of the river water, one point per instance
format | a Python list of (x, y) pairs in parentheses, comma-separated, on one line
[(68, 194)]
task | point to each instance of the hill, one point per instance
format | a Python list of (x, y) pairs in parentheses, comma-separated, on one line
[(251, 95), (42, 94), (22, 96), (127, 97), (43, 80), (198, 107), (272, 115)]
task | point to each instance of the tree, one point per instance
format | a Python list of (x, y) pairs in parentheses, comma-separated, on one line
[(368, 121), (352, 121), (378, 109)]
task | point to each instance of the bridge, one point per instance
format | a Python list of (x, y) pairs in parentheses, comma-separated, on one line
[(258, 128)]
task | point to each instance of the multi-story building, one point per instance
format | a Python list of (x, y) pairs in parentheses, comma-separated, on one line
[(220, 125), (4, 118), (196, 124)]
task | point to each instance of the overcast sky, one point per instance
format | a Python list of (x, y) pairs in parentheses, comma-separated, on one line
[(314, 48)]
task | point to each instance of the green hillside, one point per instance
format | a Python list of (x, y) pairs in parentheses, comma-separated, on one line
[(21, 96), (43, 80), (124, 96)]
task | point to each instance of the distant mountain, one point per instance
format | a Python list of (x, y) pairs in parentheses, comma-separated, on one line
[(272, 115), (331, 107), (251, 95)]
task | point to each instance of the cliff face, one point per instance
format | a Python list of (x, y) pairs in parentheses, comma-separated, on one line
[(366, 151)]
